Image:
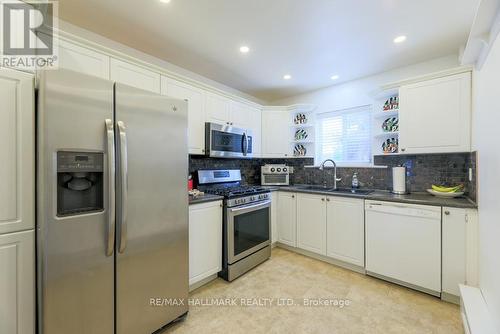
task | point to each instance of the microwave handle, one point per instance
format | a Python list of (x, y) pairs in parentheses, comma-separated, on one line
[(245, 144)]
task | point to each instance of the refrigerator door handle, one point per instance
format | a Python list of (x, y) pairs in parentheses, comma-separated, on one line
[(111, 186), (124, 185)]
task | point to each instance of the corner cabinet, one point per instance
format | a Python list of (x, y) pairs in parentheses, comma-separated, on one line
[(17, 149), (435, 115), (196, 110), (17, 283), (275, 133), (205, 240)]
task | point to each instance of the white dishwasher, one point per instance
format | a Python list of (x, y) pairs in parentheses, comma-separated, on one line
[(403, 244)]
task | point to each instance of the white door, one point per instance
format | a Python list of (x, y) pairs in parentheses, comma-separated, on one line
[(435, 115), (17, 283), (135, 76), (276, 134), (79, 59), (17, 149), (287, 218), (196, 111), (454, 249), (205, 240), (274, 216), (403, 243), (218, 109), (311, 223), (346, 230)]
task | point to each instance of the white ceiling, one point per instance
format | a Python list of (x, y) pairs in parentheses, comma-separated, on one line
[(309, 39)]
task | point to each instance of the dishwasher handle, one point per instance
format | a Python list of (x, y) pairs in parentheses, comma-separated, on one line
[(405, 210)]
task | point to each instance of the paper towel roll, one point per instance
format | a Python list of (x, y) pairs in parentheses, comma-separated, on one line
[(399, 180)]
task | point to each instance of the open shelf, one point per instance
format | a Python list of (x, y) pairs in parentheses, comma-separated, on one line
[(387, 114), (387, 134)]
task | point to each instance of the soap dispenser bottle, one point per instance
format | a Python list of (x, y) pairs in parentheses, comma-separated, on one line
[(355, 181)]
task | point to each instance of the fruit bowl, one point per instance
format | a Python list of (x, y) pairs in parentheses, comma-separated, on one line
[(445, 194)]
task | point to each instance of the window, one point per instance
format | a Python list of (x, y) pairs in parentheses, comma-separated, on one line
[(345, 136)]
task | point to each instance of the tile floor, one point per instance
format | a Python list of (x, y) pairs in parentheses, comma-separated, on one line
[(374, 305)]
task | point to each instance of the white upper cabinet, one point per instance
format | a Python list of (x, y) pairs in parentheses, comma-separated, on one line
[(275, 134), (346, 230), (287, 218), (218, 109), (435, 115), (247, 117), (196, 111), (79, 59), (135, 76), (311, 223), (17, 149), (17, 283)]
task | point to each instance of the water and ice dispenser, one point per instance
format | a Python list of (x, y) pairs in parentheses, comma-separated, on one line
[(79, 182)]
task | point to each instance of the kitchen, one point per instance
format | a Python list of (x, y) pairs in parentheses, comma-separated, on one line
[(329, 192)]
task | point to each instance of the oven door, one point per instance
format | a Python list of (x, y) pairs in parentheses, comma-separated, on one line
[(225, 141), (248, 229)]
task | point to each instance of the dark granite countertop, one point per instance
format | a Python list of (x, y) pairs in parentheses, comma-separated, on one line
[(382, 195), (204, 199)]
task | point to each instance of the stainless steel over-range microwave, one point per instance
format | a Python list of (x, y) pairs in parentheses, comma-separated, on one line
[(226, 141)]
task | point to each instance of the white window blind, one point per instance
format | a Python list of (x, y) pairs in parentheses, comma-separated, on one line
[(345, 136)]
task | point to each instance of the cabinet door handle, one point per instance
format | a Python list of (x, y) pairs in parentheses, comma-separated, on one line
[(447, 212), (293, 196), (328, 200), (403, 149), (323, 199)]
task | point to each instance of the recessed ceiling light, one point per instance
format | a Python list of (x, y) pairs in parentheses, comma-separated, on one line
[(287, 77), (334, 77), (164, 1), (400, 39), (244, 49)]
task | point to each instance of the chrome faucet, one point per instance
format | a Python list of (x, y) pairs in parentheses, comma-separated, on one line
[(335, 179)]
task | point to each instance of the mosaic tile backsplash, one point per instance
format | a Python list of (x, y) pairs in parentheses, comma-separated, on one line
[(423, 170)]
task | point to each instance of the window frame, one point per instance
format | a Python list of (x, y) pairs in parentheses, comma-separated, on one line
[(318, 146)]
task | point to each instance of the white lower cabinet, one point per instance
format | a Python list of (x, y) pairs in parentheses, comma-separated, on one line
[(459, 249), (287, 218), (345, 230), (17, 283), (311, 223), (205, 240), (274, 216)]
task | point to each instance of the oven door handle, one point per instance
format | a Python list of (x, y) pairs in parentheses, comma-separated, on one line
[(250, 207)]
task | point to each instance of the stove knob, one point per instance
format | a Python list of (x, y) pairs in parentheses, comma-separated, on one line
[(272, 170), (285, 169), (279, 170)]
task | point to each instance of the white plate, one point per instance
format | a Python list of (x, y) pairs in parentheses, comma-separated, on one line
[(446, 195)]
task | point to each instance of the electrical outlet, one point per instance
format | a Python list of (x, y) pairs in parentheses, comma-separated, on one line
[(290, 170), (470, 174)]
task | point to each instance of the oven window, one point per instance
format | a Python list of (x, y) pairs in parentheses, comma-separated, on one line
[(250, 230)]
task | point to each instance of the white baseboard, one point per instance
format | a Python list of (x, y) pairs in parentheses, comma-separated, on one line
[(475, 314)]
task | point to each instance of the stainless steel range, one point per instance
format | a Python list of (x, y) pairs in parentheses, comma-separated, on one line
[(246, 222)]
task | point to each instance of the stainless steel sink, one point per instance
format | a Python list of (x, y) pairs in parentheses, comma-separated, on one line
[(315, 188), (353, 191), (338, 190)]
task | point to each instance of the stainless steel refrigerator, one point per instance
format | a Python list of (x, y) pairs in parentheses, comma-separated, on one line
[(112, 220)]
